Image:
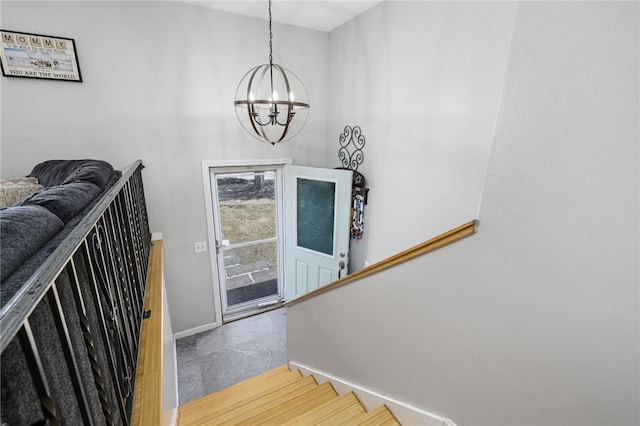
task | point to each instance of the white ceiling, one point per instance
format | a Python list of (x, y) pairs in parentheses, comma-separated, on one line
[(322, 15)]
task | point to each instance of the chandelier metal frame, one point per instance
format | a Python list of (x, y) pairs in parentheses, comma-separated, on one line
[(247, 104)]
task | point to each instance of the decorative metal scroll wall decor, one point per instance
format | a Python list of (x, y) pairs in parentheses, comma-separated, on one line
[(351, 143)]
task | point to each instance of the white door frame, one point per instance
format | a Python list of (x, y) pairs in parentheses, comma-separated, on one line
[(211, 236)]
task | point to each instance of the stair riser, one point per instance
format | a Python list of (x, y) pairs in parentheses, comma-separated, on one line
[(280, 397), (405, 413)]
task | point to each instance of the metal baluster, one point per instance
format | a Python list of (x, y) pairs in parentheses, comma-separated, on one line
[(117, 311), (67, 348), (94, 361), (105, 329), (127, 232), (30, 350), (143, 214), (133, 312), (120, 299), (135, 302), (135, 241), (118, 258), (135, 218)]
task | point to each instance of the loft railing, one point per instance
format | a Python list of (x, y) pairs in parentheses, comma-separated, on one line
[(70, 335)]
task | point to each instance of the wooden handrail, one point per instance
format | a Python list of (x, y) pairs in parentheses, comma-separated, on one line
[(435, 243), (147, 400)]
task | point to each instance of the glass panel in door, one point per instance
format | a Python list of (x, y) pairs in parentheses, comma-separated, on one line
[(248, 237), (315, 214)]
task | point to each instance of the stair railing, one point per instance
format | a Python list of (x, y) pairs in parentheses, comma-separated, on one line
[(90, 291), (434, 243)]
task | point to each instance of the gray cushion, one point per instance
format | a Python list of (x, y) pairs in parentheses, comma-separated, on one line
[(65, 201), (54, 172), (23, 231), (58, 172), (94, 171)]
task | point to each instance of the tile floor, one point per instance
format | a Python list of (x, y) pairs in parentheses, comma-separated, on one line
[(215, 359)]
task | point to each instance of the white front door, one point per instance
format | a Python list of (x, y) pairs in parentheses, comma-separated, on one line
[(317, 221)]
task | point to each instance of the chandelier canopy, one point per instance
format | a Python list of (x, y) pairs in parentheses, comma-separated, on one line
[(271, 102)]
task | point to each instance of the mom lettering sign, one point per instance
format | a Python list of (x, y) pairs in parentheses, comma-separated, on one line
[(38, 56)]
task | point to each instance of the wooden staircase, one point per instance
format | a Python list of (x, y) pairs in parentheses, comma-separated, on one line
[(281, 397)]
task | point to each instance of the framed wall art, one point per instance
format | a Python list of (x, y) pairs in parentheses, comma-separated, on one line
[(38, 56)]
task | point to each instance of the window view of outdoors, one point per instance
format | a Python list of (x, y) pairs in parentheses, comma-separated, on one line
[(248, 217)]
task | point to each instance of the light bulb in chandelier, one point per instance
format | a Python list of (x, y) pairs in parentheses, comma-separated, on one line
[(260, 109)]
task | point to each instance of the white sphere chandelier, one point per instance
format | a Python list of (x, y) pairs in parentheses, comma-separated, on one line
[(271, 102)]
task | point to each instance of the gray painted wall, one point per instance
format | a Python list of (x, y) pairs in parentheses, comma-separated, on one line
[(159, 83), (423, 81), (534, 320)]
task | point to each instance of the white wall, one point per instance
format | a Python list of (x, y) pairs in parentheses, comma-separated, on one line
[(159, 83), (423, 80), (534, 320)]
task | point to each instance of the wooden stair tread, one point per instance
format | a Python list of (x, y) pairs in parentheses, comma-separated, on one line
[(281, 397), (244, 386), (336, 411), (246, 389), (381, 416), (279, 413), (247, 408), (208, 406)]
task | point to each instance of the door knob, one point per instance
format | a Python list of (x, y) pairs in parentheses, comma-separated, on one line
[(341, 264)]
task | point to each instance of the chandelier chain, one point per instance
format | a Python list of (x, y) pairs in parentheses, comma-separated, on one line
[(261, 107), (270, 37)]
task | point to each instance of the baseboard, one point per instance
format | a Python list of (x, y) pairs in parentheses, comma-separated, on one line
[(405, 413), (170, 416), (156, 236), (174, 418), (196, 330)]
